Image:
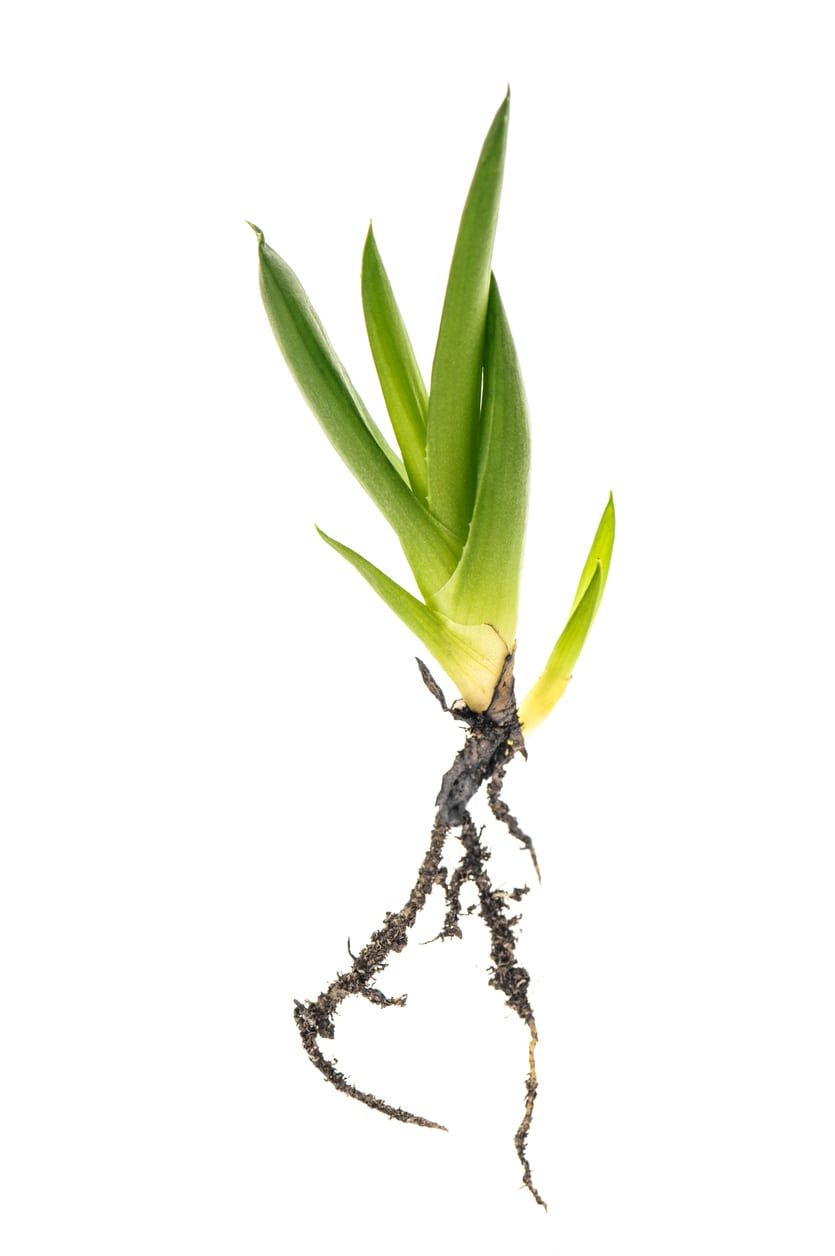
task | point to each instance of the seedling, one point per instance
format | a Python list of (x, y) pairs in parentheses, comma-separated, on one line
[(457, 499)]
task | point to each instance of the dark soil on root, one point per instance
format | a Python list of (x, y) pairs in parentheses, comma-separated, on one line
[(493, 738)]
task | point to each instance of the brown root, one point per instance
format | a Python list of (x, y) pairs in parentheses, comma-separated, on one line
[(504, 815), (494, 737)]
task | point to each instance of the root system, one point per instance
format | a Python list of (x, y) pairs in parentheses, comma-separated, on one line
[(493, 738)]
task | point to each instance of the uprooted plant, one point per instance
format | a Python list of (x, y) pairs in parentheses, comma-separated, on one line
[(457, 500)]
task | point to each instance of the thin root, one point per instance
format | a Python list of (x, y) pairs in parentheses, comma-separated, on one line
[(520, 1141), (329, 1070), (503, 814)]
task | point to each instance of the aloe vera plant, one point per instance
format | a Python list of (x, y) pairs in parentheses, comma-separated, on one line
[(456, 496)]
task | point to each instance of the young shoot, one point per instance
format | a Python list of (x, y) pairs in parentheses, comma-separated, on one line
[(455, 491)]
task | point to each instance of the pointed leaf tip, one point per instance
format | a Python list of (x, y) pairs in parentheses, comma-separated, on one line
[(452, 429), (601, 551), (404, 391), (341, 412)]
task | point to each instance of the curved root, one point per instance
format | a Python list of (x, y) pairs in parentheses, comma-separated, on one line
[(494, 737)]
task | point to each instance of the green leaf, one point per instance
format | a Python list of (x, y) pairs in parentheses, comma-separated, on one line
[(305, 345), (431, 552), (472, 656), (600, 552), (552, 683), (403, 388), (452, 431), (485, 585)]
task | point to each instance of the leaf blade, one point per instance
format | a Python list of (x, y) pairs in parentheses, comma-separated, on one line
[(471, 656), (324, 383), (404, 391), (551, 685), (600, 551), (484, 587), (452, 430), (553, 682)]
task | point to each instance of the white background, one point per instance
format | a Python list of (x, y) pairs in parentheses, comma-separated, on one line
[(218, 762)]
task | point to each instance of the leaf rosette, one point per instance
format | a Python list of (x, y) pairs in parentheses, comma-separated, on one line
[(456, 489)]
